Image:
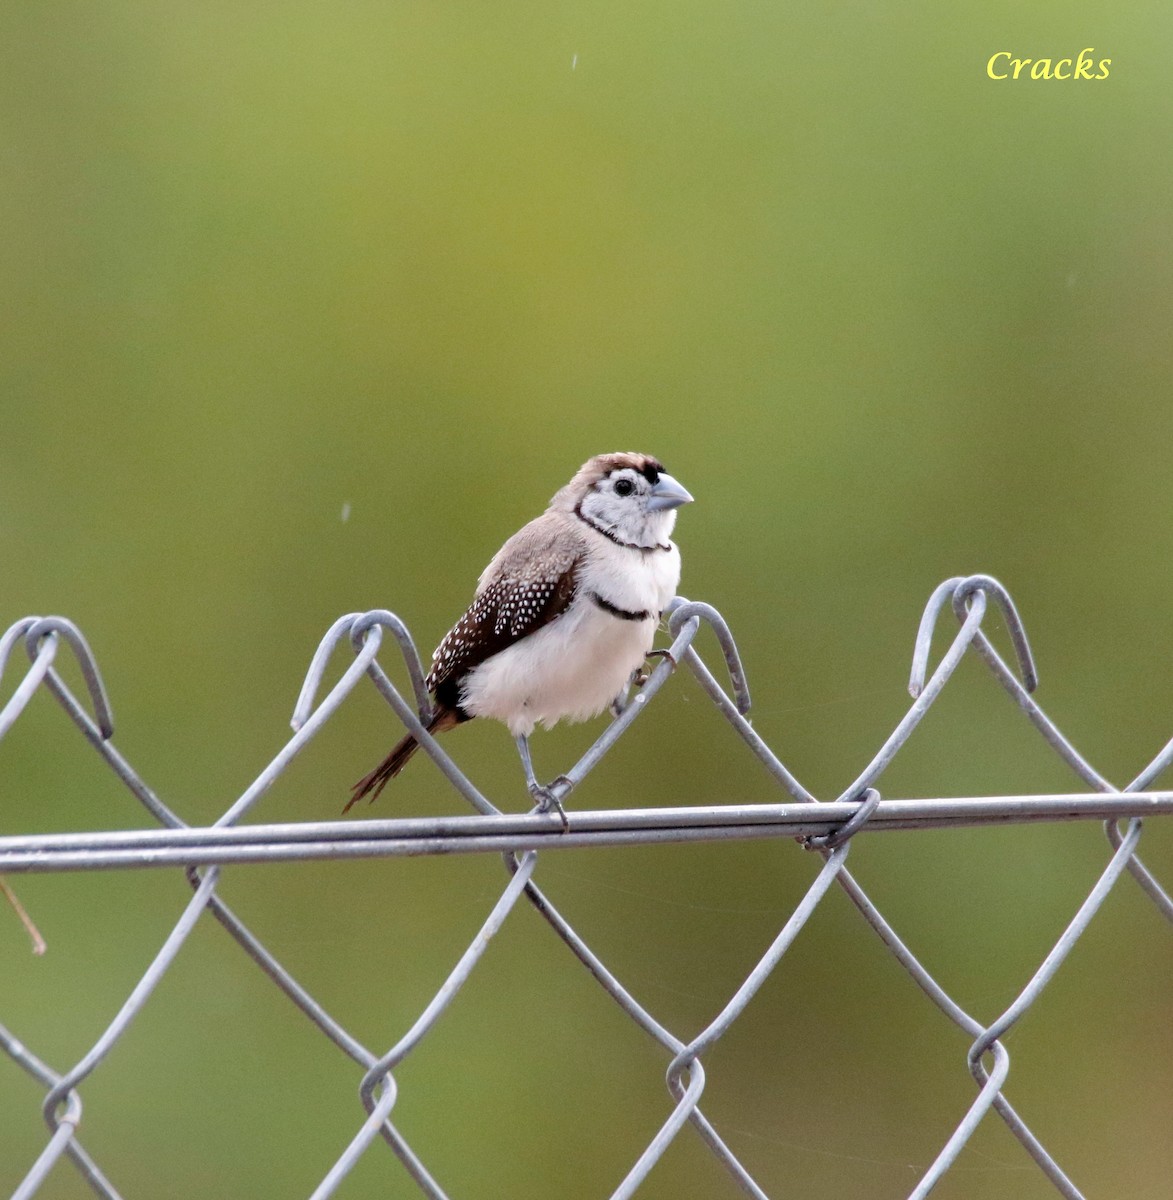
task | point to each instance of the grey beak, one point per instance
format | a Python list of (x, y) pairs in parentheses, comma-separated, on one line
[(667, 493)]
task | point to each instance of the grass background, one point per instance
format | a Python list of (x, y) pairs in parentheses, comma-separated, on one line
[(887, 319)]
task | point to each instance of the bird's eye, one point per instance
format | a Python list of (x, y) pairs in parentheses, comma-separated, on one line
[(624, 487)]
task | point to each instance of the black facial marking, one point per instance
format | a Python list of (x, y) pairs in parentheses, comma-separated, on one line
[(612, 537), (650, 469)]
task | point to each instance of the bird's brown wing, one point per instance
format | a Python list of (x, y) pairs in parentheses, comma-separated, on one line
[(530, 583)]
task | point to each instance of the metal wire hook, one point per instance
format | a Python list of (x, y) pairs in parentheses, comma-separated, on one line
[(681, 610), (1014, 626), (959, 590), (356, 626), (44, 627), (386, 619), (317, 669), (34, 677)]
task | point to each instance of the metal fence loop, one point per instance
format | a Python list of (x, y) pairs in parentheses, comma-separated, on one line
[(317, 669), (384, 619), (1027, 671), (357, 628), (832, 841), (960, 591), (34, 676), (11, 636), (46, 627), (681, 610)]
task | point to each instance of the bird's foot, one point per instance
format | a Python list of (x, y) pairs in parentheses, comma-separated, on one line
[(549, 798), (641, 674), (663, 654)]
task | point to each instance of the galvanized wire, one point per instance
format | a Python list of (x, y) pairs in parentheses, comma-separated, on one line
[(828, 828)]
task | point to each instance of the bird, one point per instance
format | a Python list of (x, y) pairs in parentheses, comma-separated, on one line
[(563, 616)]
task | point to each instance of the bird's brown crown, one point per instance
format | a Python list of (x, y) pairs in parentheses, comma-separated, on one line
[(602, 465)]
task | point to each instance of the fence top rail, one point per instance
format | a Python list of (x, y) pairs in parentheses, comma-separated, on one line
[(411, 836)]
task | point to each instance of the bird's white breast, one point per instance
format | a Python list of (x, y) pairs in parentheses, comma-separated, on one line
[(575, 666)]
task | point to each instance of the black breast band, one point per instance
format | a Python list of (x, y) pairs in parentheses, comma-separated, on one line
[(623, 613)]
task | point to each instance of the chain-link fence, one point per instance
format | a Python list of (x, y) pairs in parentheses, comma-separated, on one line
[(827, 828)]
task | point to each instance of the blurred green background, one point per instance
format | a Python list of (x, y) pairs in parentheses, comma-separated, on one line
[(888, 320)]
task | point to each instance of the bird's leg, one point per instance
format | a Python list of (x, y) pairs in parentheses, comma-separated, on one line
[(544, 796), (527, 763)]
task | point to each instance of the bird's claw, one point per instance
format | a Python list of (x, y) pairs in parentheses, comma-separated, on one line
[(663, 654), (641, 675)]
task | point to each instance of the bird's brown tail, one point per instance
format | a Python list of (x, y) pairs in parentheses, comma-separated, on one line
[(371, 785)]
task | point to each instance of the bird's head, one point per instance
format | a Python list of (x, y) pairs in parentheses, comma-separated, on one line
[(629, 497)]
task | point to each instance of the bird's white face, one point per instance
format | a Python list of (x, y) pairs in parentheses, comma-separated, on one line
[(635, 507)]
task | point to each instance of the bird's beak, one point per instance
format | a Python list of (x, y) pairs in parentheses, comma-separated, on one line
[(667, 493)]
